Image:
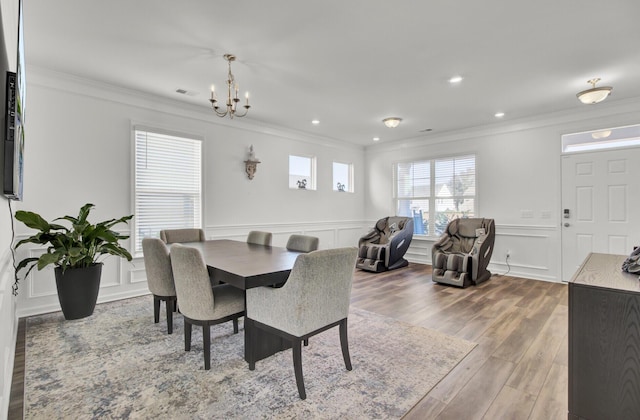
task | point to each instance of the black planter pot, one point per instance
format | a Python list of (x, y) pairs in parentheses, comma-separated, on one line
[(78, 290)]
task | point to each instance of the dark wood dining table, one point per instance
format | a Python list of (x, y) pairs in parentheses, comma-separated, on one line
[(244, 265)]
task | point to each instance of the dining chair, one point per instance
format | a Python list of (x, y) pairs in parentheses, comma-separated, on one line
[(173, 236), (315, 298), (259, 237), (200, 303), (157, 265), (302, 243)]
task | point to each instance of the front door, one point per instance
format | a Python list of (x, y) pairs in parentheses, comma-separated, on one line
[(600, 205)]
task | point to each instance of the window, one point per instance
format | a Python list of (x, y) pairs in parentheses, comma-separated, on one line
[(167, 183), (434, 192), (609, 138), (302, 172), (342, 177)]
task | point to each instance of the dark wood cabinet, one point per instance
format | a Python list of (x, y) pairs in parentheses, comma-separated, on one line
[(604, 341)]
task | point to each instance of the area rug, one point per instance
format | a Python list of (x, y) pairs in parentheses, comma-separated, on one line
[(119, 364)]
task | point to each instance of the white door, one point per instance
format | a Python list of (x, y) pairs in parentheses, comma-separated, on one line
[(600, 205)]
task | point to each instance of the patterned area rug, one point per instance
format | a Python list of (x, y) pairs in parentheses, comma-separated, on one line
[(119, 364)]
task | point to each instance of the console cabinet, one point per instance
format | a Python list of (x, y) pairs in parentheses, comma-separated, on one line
[(604, 340)]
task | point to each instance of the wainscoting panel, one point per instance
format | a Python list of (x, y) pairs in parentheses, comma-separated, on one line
[(8, 330), (531, 249), (123, 279)]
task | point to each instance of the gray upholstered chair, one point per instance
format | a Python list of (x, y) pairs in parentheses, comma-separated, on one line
[(315, 298), (462, 254), (200, 303), (259, 237), (302, 243), (157, 264), (173, 236), (383, 248)]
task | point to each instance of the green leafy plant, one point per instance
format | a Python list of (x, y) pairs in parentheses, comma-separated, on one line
[(75, 247)]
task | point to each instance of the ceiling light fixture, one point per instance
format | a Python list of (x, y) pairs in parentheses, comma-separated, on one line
[(595, 94), (376, 139), (232, 100), (392, 122), (315, 122), (455, 79), (499, 114)]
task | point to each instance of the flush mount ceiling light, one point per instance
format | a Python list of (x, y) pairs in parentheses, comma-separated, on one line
[(232, 100), (455, 79), (392, 122), (595, 94)]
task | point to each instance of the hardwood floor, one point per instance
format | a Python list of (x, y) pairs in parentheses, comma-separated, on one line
[(517, 371)]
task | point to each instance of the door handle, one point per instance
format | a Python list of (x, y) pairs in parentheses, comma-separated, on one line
[(567, 225)]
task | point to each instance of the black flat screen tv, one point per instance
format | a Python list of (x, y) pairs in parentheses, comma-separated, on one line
[(14, 122)]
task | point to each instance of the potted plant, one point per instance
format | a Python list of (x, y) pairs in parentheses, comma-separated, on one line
[(74, 252)]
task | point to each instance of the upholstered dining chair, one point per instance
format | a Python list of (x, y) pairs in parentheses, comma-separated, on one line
[(200, 303), (315, 298), (302, 243), (259, 237), (173, 236), (157, 264)]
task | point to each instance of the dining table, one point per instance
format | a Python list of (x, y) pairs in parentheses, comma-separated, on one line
[(245, 265)]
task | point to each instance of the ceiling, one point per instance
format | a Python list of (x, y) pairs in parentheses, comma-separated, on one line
[(350, 63)]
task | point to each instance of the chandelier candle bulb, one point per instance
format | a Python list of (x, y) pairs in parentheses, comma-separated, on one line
[(232, 99)]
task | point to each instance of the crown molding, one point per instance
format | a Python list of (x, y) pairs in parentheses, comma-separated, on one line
[(583, 113), (65, 82)]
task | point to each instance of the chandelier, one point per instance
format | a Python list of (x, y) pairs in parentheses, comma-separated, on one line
[(232, 95), (595, 94)]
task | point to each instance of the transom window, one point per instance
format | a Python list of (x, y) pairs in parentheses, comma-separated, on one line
[(302, 172), (342, 177), (167, 183), (434, 192)]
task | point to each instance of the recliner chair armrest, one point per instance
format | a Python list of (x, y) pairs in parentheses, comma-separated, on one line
[(399, 244)]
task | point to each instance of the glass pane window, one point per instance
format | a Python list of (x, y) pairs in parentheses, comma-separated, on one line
[(167, 184), (302, 172), (434, 192), (342, 177)]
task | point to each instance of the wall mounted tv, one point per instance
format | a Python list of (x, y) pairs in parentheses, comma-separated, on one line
[(14, 123)]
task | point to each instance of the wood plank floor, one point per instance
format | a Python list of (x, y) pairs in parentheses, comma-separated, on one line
[(517, 371)]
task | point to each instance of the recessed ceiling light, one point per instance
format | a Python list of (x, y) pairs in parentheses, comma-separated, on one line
[(315, 122), (499, 114), (376, 139), (455, 79)]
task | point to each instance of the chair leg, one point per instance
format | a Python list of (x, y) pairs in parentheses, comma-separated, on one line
[(297, 367), (344, 343), (156, 309), (206, 336), (187, 335), (169, 308), (235, 325)]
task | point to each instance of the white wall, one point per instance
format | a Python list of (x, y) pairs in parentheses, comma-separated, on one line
[(78, 150), (518, 176), (8, 318)]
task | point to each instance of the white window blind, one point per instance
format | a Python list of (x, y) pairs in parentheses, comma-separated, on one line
[(434, 192), (168, 183)]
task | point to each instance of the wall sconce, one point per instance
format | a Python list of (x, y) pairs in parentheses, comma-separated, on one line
[(251, 164)]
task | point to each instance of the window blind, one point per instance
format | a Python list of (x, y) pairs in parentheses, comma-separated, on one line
[(168, 184), (435, 192)]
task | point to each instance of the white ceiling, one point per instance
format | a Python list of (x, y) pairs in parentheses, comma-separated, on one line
[(350, 63)]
